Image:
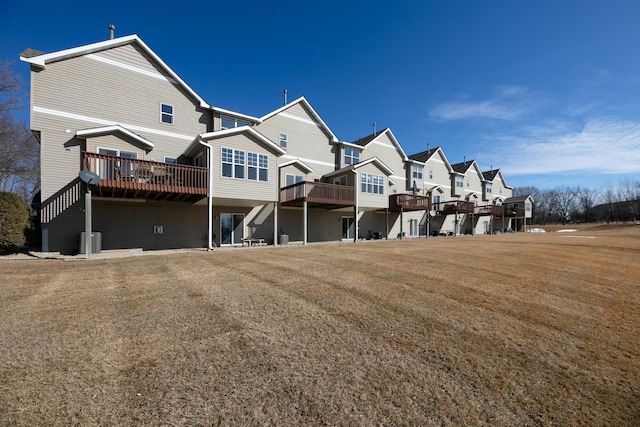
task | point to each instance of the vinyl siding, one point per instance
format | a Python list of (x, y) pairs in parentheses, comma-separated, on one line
[(243, 189), (387, 152), (368, 200), (306, 140), (126, 224)]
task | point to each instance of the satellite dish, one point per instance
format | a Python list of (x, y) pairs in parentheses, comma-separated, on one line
[(89, 177), (432, 213)]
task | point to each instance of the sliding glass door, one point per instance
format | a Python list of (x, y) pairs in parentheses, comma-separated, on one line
[(231, 229)]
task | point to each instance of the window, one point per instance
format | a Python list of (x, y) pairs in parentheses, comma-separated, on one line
[(283, 140), (468, 184), (257, 167), (116, 168), (238, 164), (373, 184), (340, 181), (231, 122), (430, 174), (170, 160), (292, 179), (436, 198), (417, 171), (459, 181), (227, 162), (351, 156), (166, 113), (488, 188)]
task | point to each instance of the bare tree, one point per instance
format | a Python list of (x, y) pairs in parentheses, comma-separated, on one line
[(585, 201), (19, 150), (566, 199)]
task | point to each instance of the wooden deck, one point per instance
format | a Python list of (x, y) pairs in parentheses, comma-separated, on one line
[(143, 179), (317, 195)]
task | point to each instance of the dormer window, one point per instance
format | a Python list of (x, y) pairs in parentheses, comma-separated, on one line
[(231, 122), (351, 156), (416, 171), (166, 113)]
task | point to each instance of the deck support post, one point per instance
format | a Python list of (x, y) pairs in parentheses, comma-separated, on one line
[(304, 222), (386, 224), (87, 222), (275, 223)]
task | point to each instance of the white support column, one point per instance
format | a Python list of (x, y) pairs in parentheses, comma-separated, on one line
[(355, 207)]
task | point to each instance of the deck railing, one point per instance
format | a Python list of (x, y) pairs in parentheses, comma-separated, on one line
[(455, 206), (317, 193), (132, 174), (408, 202), (489, 210)]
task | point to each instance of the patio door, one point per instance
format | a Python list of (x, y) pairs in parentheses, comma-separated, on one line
[(231, 229), (413, 227), (348, 228)]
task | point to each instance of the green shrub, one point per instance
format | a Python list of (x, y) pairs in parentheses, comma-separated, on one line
[(14, 219)]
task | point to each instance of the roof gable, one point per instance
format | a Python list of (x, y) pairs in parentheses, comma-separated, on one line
[(115, 130), (242, 129), (42, 60), (303, 101), (463, 168), (369, 139)]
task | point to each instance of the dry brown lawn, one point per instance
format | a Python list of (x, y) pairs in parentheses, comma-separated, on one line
[(537, 329)]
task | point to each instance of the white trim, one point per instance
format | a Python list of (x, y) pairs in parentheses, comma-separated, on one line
[(308, 160), (42, 60), (171, 114), (226, 112), (304, 101), (208, 136), (401, 178), (296, 162), (132, 68), (351, 145), (110, 130), (108, 122), (300, 119)]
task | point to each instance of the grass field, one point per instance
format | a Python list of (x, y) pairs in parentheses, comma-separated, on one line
[(535, 329)]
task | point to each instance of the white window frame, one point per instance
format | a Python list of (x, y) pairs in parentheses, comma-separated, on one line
[(170, 115), (290, 179), (430, 173), (417, 171), (259, 164), (488, 187), (236, 122), (460, 181), (351, 156), (371, 183), (283, 140), (340, 180), (414, 230)]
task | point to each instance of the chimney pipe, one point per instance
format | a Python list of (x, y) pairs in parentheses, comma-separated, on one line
[(112, 31), (285, 97), (374, 129), (465, 160)]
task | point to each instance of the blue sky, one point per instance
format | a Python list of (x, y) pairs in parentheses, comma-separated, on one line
[(548, 91)]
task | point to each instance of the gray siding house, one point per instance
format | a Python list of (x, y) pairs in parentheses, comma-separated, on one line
[(177, 172)]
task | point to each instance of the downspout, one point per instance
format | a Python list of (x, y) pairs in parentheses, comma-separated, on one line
[(355, 208), (209, 195)]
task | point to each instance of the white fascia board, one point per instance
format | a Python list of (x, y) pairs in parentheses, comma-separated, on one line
[(377, 161), (236, 114), (316, 116), (42, 60), (110, 130), (446, 161), (349, 144), (242, 129), (297, 162), (394, 140)]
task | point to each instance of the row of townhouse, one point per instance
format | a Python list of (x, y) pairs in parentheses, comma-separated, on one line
[(177, 172)]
